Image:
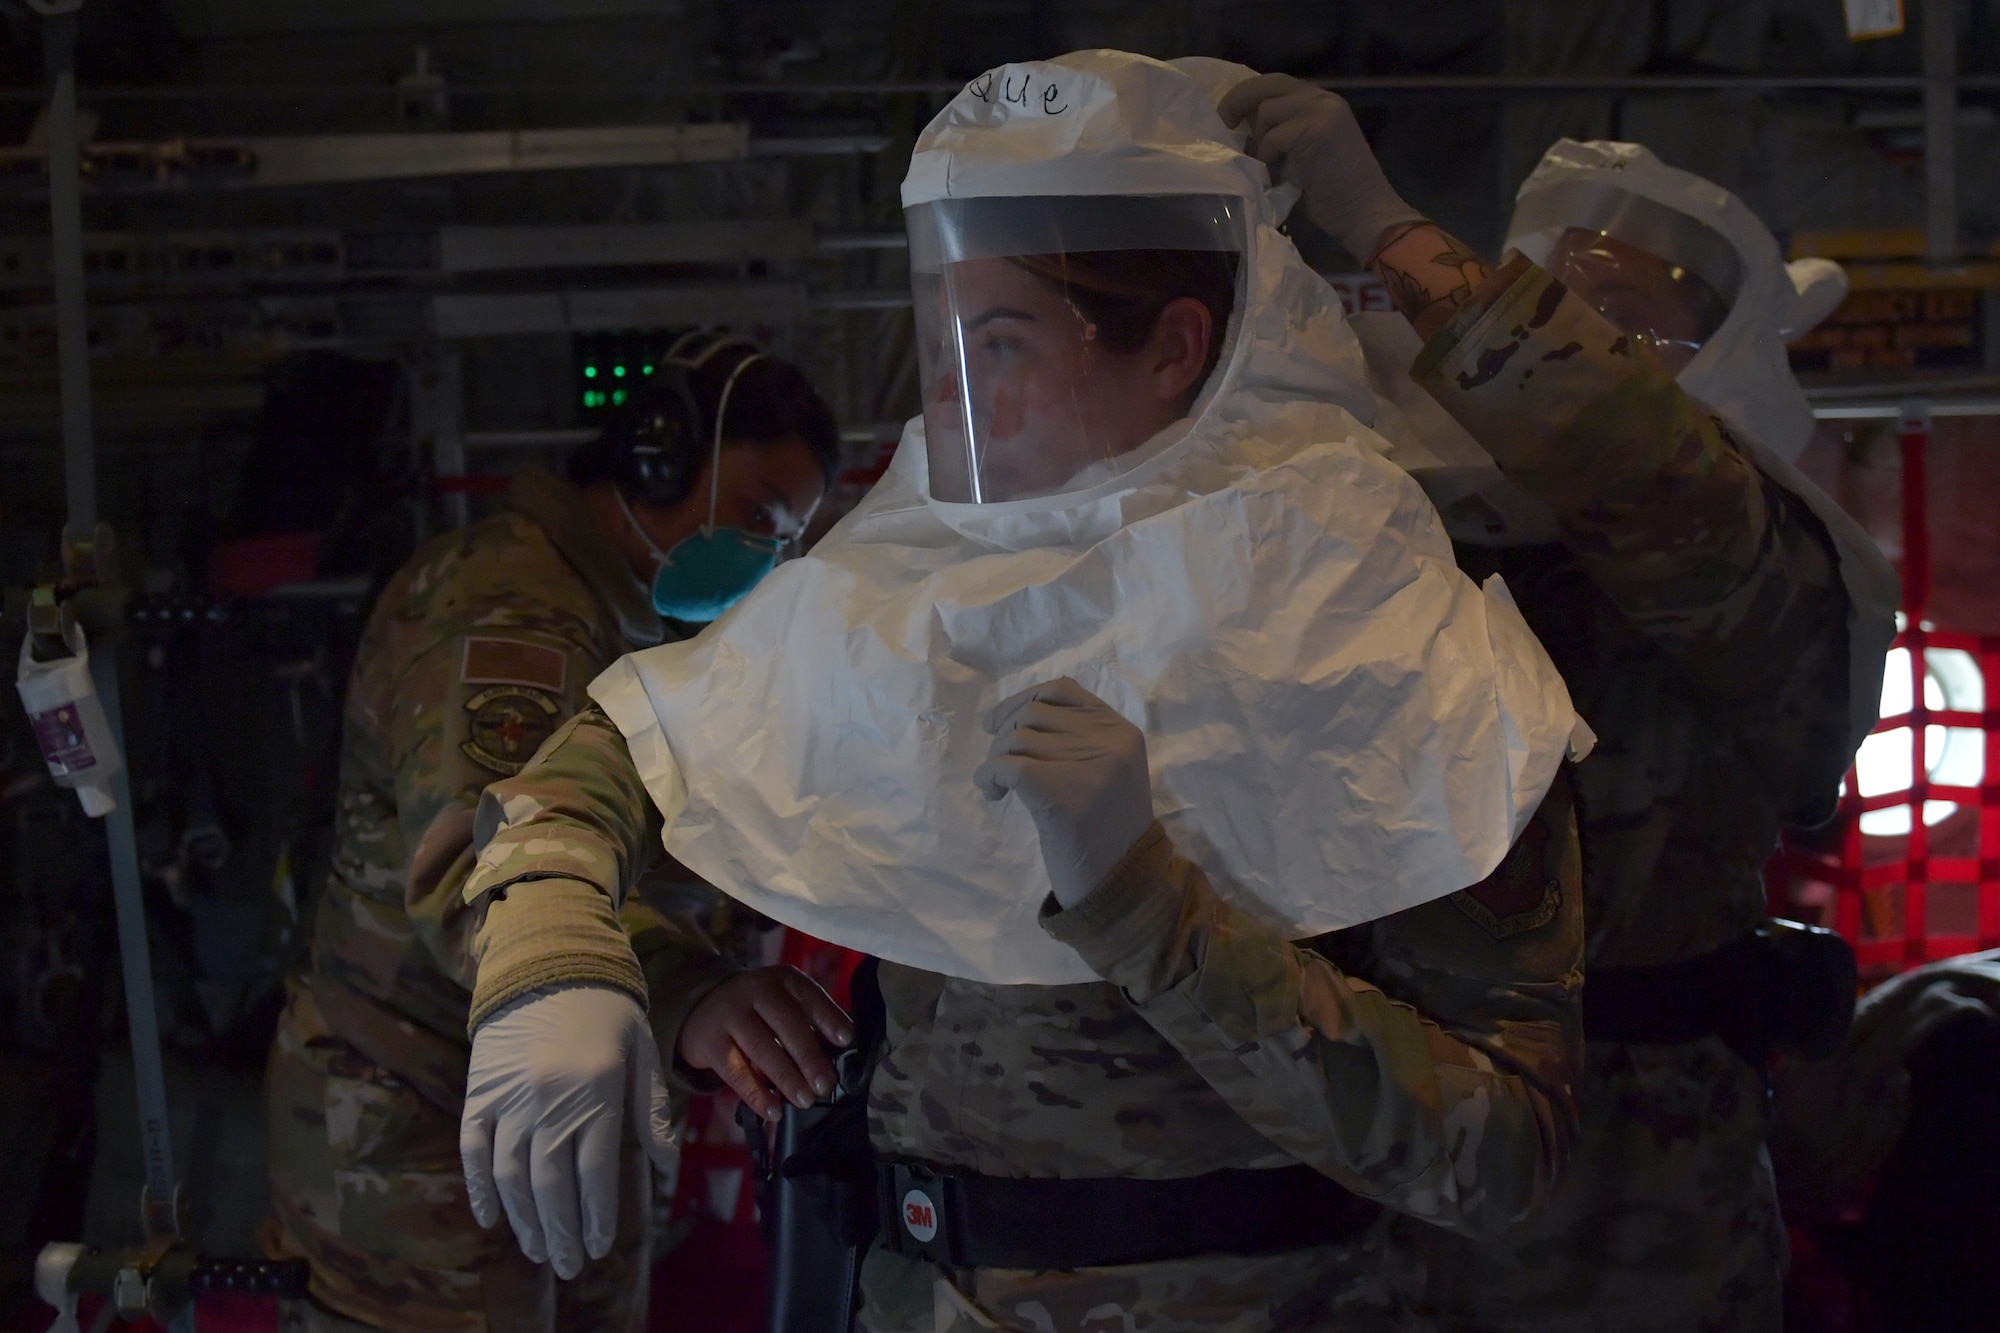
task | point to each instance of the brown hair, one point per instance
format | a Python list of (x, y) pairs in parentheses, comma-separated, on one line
[(1122, 292)]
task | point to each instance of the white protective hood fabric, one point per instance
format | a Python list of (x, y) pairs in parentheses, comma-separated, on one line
[(1741, 373), (1340, 725)]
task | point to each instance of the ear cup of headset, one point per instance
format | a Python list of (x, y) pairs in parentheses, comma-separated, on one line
[(658, 441), (658, 445)]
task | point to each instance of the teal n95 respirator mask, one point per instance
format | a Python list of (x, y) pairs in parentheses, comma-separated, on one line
[(712, 569)]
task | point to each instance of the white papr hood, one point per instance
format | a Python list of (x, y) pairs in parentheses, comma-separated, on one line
[(1741, 372), (1340, 724)]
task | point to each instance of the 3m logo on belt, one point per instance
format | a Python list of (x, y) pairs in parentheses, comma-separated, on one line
[(920, 1217)]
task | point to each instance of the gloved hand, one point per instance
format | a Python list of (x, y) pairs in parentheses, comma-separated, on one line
[(1309, 136), (1080, 768), (545, 1102)]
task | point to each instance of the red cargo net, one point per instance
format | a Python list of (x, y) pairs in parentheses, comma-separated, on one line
[(1909, 871)]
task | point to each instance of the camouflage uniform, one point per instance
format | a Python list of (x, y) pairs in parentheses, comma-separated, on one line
[(1696, 611), (474, 655), (1885, 1153), (1424, 1060), (1838, 1119)]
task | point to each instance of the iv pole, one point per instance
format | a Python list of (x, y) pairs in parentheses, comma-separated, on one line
[(163, 1276)]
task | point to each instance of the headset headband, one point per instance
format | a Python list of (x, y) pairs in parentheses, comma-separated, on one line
[(658, 471), (719, 342), (722, 415)]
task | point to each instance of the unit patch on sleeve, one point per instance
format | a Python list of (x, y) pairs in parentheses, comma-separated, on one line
[(506, 724), (514, 662)]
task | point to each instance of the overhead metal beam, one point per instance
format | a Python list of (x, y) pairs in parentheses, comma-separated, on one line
[(625, 308), (864, 240), (1483, 86), (497, 249), (334, 159), (819, 145), (568, 437), (1891, 411), (878, 300), (265, 326), (242, 17), (298, 257)]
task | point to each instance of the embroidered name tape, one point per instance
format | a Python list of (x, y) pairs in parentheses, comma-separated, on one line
[(491, 661)]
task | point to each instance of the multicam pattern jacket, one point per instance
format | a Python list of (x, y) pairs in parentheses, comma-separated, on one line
[(476, 652), (1430, 1067), (1694, 607)]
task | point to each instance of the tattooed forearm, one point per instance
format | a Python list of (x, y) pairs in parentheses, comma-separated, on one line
[(1430, 275)]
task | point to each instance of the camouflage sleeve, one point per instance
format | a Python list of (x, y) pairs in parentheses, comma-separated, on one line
[(1836, 1121), (681, 965), (1441, 1088), (469, 710), (577, 810), (1724, 569), (561, 844)]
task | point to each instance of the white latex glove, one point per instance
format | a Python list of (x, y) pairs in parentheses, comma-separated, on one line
[(1080, 768), (545, 1101), (1309, 136)]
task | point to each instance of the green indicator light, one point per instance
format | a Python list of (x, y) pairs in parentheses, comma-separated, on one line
[(616, 398), (590, 372), (619, 371), (649, 370)]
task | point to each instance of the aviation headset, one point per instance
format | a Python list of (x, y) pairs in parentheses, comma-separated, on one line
[(655, 446)]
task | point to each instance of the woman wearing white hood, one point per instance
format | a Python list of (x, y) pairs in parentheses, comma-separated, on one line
[(1612, 432), (1207, 820)]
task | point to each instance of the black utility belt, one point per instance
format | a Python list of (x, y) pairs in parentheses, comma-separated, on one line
[(1780, 986), (958, 1219)]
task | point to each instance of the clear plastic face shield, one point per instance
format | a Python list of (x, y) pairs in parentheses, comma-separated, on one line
[(1058, 337), (1655, 273)]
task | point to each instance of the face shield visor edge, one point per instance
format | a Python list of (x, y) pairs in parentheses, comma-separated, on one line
[(1062, 339), (1655, 273)]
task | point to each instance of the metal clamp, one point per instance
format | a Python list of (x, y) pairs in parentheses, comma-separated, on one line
[(89, 564), (165, 1218), (50, 619), (160, 1279)]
